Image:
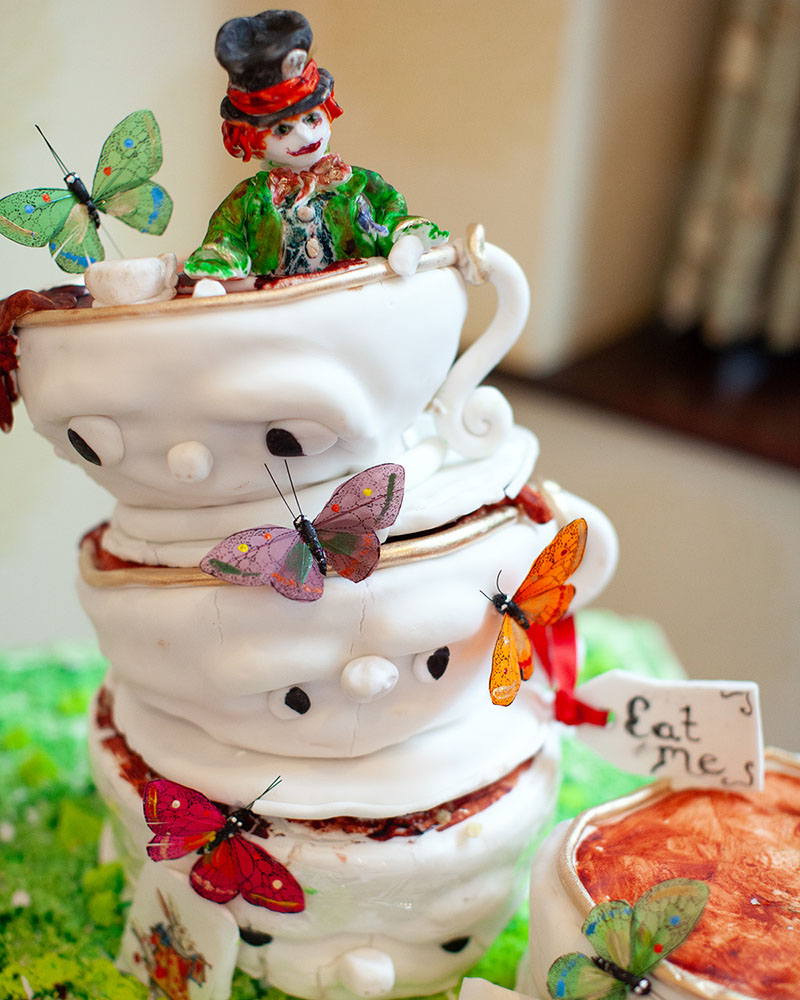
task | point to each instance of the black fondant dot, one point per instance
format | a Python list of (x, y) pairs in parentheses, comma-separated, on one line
[(82, 448), (437, 662), (254, 937), (456, 944), (297, 700), (282, 442)]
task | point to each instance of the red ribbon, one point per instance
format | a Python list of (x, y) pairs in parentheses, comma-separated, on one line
[(278, 97), (572, 712), (557, 648)]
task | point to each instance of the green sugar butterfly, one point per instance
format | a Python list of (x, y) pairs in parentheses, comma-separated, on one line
[(67, 220), (629, 941)]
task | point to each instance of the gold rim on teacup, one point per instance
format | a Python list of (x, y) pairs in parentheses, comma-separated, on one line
[(362, 273), (396, 553)]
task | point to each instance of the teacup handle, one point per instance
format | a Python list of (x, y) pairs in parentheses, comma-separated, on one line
[(475, 421)]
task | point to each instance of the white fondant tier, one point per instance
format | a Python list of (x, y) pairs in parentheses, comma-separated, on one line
[(426, 769), (343, 676), (439, 488), (427, 905)]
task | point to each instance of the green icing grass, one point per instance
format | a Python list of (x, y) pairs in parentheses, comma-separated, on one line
[(62, 941)]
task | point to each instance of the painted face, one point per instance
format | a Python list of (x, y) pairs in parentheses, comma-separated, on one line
[(299, 141)]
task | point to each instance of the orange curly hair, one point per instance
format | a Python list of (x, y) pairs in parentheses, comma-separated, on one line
[(245, 141)]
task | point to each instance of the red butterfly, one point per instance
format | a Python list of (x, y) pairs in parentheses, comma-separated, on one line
[(541, 599), (185, 821)]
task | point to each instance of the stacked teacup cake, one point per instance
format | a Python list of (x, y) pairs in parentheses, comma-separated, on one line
[(408, 801)]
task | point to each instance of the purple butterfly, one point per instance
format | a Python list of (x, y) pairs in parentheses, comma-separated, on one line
[(295, 560)]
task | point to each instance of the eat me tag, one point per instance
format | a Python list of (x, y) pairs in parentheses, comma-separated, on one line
[(702, 734)]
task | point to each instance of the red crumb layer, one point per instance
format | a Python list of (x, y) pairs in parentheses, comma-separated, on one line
[(747, 848), (137, 772), (102, 559), (284, 281), (413, 824)]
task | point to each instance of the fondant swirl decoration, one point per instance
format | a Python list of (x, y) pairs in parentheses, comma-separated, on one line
[(67, 221), (295, 560), (541, 599), (184, 821), (630, 941)]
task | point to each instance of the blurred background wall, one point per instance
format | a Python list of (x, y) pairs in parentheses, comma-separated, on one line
[(568, 127)]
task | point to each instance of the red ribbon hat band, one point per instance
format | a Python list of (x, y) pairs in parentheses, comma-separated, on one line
[(278, 97)]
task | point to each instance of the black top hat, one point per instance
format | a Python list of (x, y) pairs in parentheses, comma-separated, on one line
[(270, 75)]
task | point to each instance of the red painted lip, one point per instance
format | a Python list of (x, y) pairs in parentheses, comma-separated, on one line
[(306, 149)]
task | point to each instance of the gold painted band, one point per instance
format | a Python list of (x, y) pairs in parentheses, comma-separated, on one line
[(405, 550), (365, 272)]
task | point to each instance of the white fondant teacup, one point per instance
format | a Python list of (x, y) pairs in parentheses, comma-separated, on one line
[(348, 373), (132, 281)]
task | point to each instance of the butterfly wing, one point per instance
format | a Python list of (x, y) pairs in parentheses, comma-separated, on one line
[(543, 594), (298, 576), (265, 881), (269, 554), (182, 819), (511, 662), (216, 875), (524, 650), (77, 245), (146, 207), (347, 524), (576, 977), (663, 918), (35, 217), (372, 497), (130, 155), (353, 554), (608, 929), (121, 186), (249, 558)]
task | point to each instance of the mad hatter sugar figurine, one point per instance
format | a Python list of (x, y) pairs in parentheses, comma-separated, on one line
[(310, 208)]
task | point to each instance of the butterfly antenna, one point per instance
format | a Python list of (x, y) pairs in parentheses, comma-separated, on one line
[(64, 168), (294, 492), (497, 583), (266, 791), (487, 596), (280, 492)]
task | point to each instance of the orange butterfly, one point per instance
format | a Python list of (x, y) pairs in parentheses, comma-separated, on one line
[(541, 599)]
